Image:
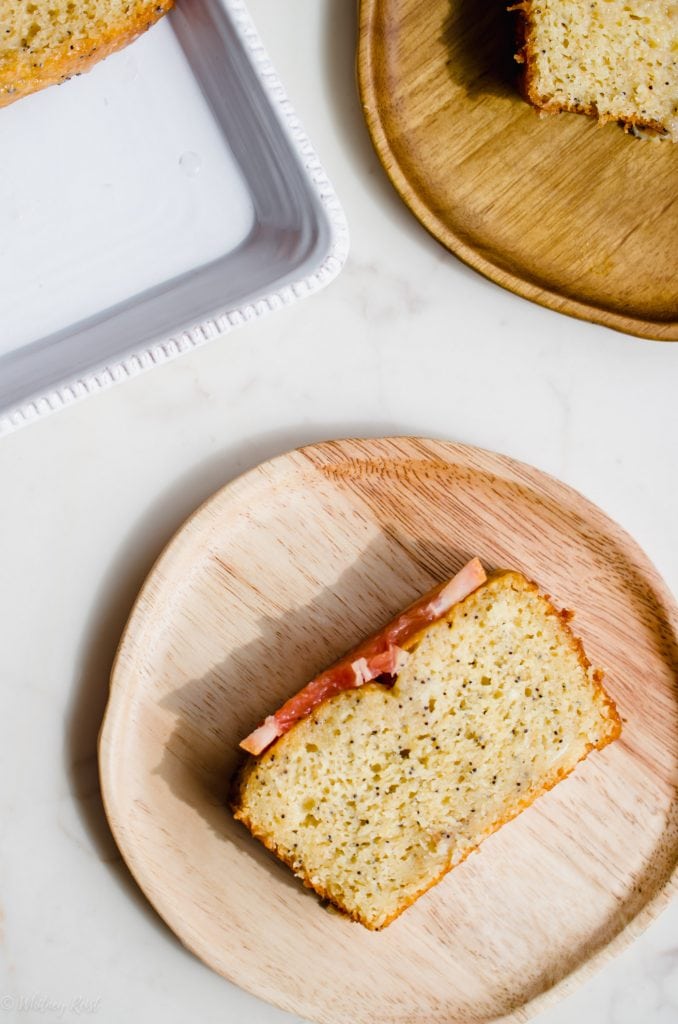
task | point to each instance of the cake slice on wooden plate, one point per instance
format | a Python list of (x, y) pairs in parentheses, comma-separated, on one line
[(44, 42), (388, 769), (614, 59)]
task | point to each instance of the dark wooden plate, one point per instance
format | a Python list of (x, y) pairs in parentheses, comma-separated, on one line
[(576, 216)]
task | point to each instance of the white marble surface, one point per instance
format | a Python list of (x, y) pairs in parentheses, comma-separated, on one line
[(407, 340)]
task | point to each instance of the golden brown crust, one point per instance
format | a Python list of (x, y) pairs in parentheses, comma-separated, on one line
[(26, 74), (525, 54), (240, 778)]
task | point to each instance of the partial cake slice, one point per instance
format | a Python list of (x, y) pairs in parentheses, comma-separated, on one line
[(381, 789), (44, 42), (614, 59)]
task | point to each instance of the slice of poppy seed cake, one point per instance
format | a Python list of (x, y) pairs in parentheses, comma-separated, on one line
[(381, 790)]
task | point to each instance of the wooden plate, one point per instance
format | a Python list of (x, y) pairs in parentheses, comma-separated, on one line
[(268, 582), (577, 217)]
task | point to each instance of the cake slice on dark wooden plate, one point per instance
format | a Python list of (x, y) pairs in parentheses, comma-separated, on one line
[(614, 59)]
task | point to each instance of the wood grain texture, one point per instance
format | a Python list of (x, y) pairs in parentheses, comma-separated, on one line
[(273, 578), (576, 216)]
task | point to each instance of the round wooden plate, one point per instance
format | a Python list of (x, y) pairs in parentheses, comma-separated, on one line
[(577, 217), (267, 583)]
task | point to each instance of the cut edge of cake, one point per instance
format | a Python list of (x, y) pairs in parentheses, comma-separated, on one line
[(526, 55)]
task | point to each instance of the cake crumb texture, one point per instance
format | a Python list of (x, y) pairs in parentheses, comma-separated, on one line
[(614, 59), (381, 791), (44, 42)]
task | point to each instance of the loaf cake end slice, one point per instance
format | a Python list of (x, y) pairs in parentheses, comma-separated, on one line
[(612, 59)]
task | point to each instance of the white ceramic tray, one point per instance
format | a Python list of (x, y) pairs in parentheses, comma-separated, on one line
[(150, 205)]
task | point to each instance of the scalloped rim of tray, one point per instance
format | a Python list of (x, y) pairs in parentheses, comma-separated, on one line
[(146, 357)]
